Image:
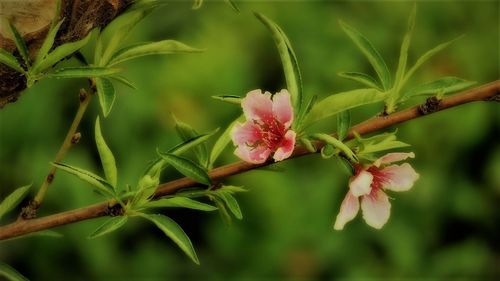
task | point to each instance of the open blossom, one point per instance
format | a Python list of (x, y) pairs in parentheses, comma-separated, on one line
[(369, 183), (267, 127)]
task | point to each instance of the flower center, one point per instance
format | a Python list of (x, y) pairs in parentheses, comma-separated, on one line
[(272, 132)]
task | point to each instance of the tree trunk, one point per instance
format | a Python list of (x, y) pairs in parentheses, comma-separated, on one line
[(33, 19)]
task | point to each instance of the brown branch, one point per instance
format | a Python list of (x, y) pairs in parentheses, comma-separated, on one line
[(486, 92)]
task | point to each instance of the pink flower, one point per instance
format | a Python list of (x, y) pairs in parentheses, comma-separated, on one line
[(267, 129), (369, 183)]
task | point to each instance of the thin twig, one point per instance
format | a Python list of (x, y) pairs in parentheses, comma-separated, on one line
[(72, 137), (486, 92)]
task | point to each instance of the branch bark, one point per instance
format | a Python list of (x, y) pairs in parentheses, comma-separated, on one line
[(487, 92)]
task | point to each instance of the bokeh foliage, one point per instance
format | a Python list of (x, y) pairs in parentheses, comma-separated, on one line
[(445, 227)]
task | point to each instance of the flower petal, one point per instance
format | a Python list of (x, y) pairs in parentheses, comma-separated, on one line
[(257, 106), (376, 209), (393, 157), (246, 133), (360, 183), (254, 155), (399, 177), (348, 211), (286, 147), (282, 108)]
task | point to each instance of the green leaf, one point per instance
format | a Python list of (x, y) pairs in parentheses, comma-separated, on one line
[(41, 233), (362, 78), (10, 61), (187, 168), (84, 72), (229, 99), (13, 199), (342, 101), (233, 5), (343, 124), (99, 183), (232, 189), (124, 81), (48, 42), (59, 53), (231, 203), (174, 232), (191, 143), (164, 47), (179, 202), (109, 226), (327, 151), (337, 144), (186, 132), (107, 158), (106, 93), (222, 142), (304, 113), (369, 146), (440, 86), (221, 206), (426, 57), (288, 60), (373, 56), (10, 273), (403, 54), (118, 30), (20, 44), (197, 4)]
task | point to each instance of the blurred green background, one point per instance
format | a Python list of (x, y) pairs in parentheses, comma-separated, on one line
[(446, 227)]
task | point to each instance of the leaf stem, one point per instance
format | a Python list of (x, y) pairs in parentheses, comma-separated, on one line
[(71, 138), (487, 92)]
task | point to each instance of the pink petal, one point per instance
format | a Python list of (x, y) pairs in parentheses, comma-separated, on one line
[(254, 155), (399, 177), (282, 108), (257, 106), (360, 183), (348, 211), (246, 133), (286, 147), (376, 209), (393, 157)]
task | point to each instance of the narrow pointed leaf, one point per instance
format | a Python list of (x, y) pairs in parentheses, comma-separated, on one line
[(106, 93), (425, 57), (232, 204), (403, 54), (99, 183), (179, 202), (370, 52), (187, 168), (118, 30), (221, 206), (109, 226), (164, 47), (233, 5), (174, 232), (229, 99), (13, 199), (442, 86), (343, 124), (10, 61), (60, 53), (20, 44), (10, 273), (362, 78), (107, 158), (288, 60), (48, 42), (343, 101), (186, 132), (191, 143), (308, 144), (84, 72), (124, 81), (222, 142)]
